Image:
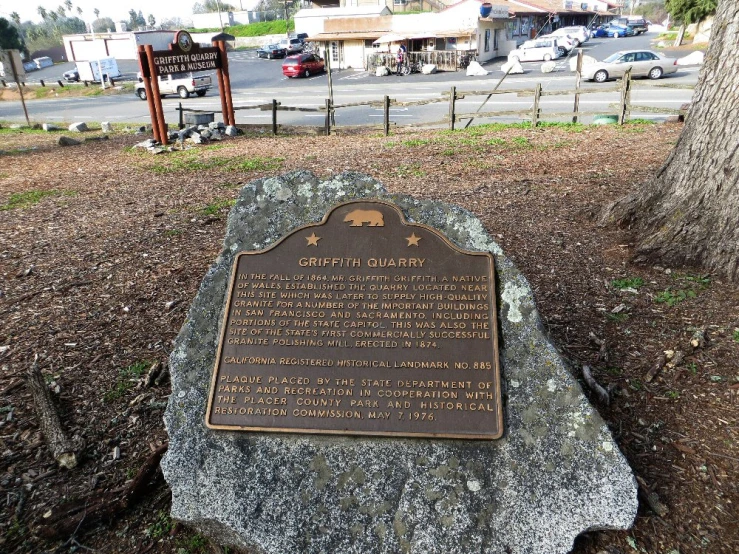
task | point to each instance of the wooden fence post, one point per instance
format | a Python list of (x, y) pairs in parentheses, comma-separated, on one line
[(386, 114), (452, 100), (328, 116), (625, 96), (274, 116), (535, 113), (576, 109)]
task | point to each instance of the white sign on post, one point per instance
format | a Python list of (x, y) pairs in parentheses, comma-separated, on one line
[(6, 69)]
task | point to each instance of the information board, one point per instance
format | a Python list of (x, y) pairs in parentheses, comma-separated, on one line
[(362, 324)]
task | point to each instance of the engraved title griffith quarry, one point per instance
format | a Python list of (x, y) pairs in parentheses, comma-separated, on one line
[(362, 324)]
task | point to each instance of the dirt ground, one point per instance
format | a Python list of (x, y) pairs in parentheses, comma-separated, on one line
[(102, 249)]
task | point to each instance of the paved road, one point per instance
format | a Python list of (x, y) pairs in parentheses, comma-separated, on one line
[(257, 81)]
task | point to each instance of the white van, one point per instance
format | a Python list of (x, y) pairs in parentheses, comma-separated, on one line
[(44, 61), (536, 50)]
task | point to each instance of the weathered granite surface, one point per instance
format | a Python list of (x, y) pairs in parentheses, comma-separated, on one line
[(556, 472)]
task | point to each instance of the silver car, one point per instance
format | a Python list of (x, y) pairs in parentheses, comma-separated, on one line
[(643, 63)]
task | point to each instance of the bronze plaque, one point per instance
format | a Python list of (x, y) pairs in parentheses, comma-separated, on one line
[(362, 324)]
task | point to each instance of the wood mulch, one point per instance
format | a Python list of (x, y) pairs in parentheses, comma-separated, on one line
[(102, 249)]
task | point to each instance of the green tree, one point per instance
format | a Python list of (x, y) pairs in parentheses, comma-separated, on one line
[(96, 12), (68, 3), (210, 6), (151, 20), (16, 19), (102, 24), (690, 11), (42, 12), (10, 38)]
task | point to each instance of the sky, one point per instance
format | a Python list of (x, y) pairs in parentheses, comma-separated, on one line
[(160, 9)]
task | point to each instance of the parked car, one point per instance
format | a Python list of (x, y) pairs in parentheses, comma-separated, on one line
[(565, 43), (270, 51), (292, 45), (182, 84), (643, 63), (71, 76), (536, 50), (302, 64), (638, 23), (579, 34), (614, 31)]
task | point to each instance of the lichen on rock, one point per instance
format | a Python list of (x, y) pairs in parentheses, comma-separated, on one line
[(555, 474)]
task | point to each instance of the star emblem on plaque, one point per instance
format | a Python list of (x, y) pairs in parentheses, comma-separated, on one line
[(389, 329)]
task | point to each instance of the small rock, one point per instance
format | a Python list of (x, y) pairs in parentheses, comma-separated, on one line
[(586, 60), (16, 126), (216, 125), (475, 69), (116, 453), (512, 68), (206, 134), (148, 143), (548, 67), (66, 141), (48, 127), (78, 127), (231, 131), (428, 69), (382, 71), (216, 135), (156, 150), (196, 138), (25, 272), (106, 127)]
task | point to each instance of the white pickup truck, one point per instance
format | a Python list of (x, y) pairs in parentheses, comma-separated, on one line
[(183, 84)]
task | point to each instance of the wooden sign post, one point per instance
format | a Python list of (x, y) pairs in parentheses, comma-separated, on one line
[(184, 56)]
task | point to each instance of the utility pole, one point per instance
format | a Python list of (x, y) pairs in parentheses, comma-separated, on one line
[(218, 5), (287, 32)]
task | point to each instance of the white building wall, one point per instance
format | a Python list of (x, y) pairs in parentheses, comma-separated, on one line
[(122, 46), (353, 54), (212, 20)]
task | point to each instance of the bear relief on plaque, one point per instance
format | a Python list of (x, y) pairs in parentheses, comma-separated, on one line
[(361, 324)]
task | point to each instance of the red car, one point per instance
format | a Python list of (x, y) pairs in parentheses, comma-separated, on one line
[(302, 64)]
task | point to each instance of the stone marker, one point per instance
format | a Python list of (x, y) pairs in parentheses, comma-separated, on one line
[(48, 127), (66, 141), (106, 127), (79, 127), (554, 474)]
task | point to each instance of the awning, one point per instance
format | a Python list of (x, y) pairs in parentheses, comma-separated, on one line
[(328, 37), (390, 37)]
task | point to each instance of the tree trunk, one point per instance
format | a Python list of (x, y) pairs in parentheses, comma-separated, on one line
[(689, 213)]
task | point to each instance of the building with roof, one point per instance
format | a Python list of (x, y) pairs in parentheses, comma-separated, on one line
[(351, 35)]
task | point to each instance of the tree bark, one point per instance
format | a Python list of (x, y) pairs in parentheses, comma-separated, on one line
[(61, 447), (689, 213)]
